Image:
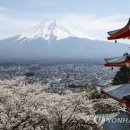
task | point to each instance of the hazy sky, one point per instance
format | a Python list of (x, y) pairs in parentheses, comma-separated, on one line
[(91, 17)]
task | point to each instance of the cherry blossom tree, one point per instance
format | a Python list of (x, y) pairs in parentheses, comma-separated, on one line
[(30, 107)]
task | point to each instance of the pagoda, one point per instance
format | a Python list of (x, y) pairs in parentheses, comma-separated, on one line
[(120, 33), (120, 93), (118, 61)]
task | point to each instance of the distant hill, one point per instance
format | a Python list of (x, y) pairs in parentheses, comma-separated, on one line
[(53, 40)]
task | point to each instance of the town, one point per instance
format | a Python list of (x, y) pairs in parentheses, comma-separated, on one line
[(34, 96), (60, 77)]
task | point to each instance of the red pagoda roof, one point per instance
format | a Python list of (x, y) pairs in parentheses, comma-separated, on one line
[(120, 33), (118, 61), (120, 93)]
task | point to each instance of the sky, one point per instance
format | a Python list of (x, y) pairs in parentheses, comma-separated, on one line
[(91, 17)]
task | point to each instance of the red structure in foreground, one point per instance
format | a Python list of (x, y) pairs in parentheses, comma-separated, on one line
[(120, 33), (120, 93), (118, 61)]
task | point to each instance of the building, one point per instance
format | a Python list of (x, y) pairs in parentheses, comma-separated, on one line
[(120, 93), (120, 33)]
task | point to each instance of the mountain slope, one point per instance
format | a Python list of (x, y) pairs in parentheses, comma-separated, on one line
[(35, 46), (51, 30)]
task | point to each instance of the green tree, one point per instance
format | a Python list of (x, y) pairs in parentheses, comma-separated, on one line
[(122, 76)]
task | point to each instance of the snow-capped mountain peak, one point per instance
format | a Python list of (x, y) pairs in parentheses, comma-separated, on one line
[(51, 30)]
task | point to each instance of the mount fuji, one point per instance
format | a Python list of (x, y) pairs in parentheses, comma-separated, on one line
[(51, 30), (52, 39)]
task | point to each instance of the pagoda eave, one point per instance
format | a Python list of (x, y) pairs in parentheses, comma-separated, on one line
[(120, 93), (110, 96), (120, 33), (117, 65), (123, 35)]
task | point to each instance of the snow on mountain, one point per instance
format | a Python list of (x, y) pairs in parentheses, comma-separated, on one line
[(51, 30), (67, 43)]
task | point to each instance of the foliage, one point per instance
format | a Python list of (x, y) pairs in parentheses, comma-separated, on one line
[(29, 107), (122, 76), (29, 74), (102, 108)]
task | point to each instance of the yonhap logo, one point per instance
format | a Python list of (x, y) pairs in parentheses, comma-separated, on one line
[(119, 120), (99, 119)]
